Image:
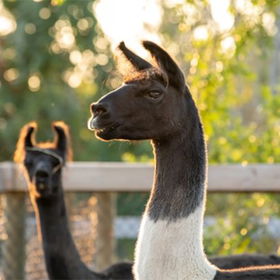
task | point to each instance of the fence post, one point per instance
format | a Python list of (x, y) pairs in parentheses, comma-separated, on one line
[(102, 218), (14, 245)]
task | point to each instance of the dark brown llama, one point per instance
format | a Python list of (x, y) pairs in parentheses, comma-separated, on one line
[(42, 164), (156, 104)]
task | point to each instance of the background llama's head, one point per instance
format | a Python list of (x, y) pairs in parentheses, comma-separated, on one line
[(42, 162)]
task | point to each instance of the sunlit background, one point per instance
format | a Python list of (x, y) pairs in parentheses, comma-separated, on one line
[(133, 21), (58, 56)]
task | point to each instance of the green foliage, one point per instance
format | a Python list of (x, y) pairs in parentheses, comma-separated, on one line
[(32, 51), (52, 67), (242, 221), (125, 249)]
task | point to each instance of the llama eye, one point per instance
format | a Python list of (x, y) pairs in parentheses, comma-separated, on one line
[(154, 94)]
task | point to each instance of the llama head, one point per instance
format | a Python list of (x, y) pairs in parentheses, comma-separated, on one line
[(151, 104), (42, 162)]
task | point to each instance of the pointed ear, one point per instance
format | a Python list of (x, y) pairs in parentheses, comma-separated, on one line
[(137, 62), (166, 64), (28, 133), (26, 140), (62, 139)]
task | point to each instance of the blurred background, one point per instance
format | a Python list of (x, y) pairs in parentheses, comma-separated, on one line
[(58, 56)]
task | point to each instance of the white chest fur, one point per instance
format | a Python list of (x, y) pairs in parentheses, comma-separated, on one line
[(172, 250)]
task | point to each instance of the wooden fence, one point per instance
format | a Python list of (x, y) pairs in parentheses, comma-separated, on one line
[(106, 178), (135, 177)]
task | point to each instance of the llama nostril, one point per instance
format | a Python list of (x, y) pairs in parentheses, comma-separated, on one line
[(98, 109)]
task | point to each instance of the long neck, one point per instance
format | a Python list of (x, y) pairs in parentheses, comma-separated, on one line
[(170, 243), (61, 256), (179, 179)]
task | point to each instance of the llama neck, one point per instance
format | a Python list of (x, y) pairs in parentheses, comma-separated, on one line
[(179, 177), (61, 256), (170, 240)]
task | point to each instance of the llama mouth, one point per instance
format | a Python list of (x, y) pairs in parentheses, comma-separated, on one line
[(42, 189), (41, 186), (107, 128), (95, 125)]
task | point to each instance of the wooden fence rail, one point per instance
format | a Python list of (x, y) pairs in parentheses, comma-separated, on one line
[(137, 177), (106, 178)]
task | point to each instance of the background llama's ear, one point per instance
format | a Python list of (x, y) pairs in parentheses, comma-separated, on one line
[(28, 134), (137, 62), (62, 139), (26, 140), (166, 64)]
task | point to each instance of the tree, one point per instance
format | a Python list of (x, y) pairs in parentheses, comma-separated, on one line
[(52, 67)]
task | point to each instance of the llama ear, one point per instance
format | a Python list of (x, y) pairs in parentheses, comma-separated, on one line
[(62, 139), (137, 62), (61, 133), (25, 140), (166, 64), (28, 133)]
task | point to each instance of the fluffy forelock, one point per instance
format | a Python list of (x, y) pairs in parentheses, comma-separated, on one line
[(152, 73)]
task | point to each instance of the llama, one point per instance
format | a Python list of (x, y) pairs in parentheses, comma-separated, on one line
[(42, 164), (156, 104)]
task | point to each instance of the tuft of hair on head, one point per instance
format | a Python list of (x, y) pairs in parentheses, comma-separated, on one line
[(149, 74), (26, 137), (62, 139), (138, 69)]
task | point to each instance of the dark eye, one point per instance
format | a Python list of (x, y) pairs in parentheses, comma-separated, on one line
[(154, 95)]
